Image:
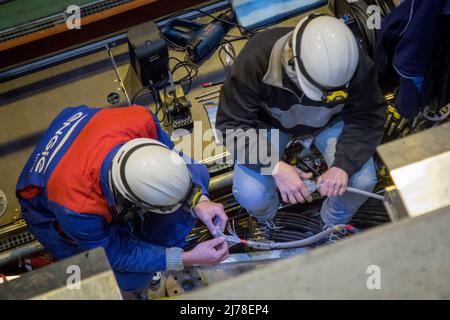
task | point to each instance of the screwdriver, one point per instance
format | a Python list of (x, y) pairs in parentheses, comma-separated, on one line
[(211, 84), (313, 186)]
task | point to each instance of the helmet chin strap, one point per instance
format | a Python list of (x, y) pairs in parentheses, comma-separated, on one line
[(123, 209)]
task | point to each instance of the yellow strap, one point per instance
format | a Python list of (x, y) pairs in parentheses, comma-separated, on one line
[(196, 198), (337, 96)]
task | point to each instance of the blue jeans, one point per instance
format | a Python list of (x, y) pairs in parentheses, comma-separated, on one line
[(258, 193)]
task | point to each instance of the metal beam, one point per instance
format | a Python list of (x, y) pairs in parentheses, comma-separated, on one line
[(86, 276), (420, 168)]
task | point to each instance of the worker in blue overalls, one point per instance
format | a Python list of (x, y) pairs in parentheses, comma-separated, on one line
[(110, 178)]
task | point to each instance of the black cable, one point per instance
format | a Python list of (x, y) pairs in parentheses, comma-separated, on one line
[(154, 94), (232, 53), (297, 226), (228, 22), (235, 39), (358, 17), (191, 70), (358, 10), (158, 104), (385, 5), (137, 93), (165, 111)]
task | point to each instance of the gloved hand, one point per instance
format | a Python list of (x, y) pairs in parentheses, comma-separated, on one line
[(211, 213), (333, 182), (207, 253), (290, 184)]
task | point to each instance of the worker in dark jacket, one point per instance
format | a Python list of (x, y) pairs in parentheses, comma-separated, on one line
[(313, 80), (109, 178)]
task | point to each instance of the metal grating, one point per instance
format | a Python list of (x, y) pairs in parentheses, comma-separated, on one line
[(57, 19), (16, 240)]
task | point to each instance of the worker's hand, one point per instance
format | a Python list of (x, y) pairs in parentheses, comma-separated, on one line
[(333, 182), (289, 182), (212, 215), (207, 253)]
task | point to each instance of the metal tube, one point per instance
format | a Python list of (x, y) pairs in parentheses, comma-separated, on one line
[(221, 181), (365, 193), (208, 99), (20, 252), (208, 93)]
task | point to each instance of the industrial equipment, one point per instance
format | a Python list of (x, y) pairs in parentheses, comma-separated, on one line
[(149, 55), (177, 108), (199, 39)]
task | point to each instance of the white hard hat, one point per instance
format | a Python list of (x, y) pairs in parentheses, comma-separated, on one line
[(150, 175), (326, 55)]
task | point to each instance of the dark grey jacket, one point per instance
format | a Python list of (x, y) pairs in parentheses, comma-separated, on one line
[(259, 94)]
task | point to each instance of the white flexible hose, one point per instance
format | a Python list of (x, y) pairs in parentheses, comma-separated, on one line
[(298, 243), (365, 193)]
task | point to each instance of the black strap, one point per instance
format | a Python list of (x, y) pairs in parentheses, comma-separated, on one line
[(299, 35)]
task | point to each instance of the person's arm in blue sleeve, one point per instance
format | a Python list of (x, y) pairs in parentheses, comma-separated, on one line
[(125, 252), (200, 175)]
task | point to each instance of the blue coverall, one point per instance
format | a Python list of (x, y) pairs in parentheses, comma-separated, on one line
[(67, 202)]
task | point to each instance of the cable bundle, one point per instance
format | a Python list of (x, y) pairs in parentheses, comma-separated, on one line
[(293, 226), (238, 226), (356, 15), (386, 6), (371, 214)]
